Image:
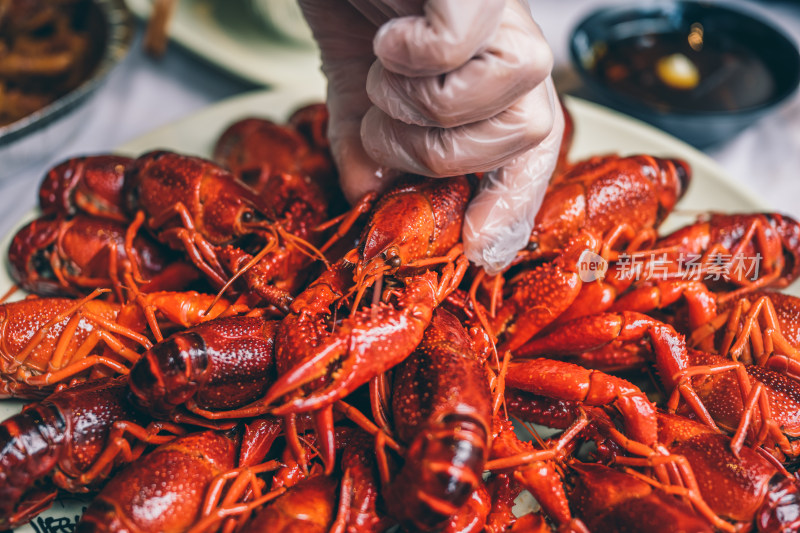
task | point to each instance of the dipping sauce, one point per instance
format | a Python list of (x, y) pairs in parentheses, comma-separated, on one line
[(686, 71)]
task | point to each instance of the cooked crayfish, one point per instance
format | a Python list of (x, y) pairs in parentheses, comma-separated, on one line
[(616, 199), (90, 185), (310, 503), (185, 479), (195, 206), (442, 406), (747, 250), (59, 257), (48, 340), (255, 149), (222, 364), (416, 223), (72, 440)]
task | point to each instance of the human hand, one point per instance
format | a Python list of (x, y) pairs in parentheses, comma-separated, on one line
[(441, 88)]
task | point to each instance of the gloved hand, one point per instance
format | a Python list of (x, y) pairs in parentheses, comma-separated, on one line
[(441, 88)]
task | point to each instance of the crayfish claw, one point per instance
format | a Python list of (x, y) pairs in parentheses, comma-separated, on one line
[(318, 399), (308, 370)]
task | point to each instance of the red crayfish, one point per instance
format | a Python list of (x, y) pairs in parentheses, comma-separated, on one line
[(195, 206), (72, 440)]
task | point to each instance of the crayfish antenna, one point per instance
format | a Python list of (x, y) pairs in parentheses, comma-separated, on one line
[(473, 297), (367, 425), (347, 220), (130, 235), (311, 251), (382, 438), (240, 272), (365, 281), (499, 399), (9, 293)]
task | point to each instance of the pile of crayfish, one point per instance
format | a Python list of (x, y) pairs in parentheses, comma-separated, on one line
[(226, 346)]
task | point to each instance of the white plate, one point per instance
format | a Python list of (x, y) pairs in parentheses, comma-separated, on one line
[(227, 34), (597, 131)]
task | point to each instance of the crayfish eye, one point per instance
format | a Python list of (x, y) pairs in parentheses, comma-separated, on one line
[(392, 258), (248, 216)]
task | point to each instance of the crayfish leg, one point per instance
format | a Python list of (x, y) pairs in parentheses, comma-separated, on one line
[(532, 469), (347, 220), (765, 342), (34, 502)]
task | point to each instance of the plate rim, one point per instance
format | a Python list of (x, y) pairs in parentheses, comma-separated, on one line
[(710, 168), (193, 42)]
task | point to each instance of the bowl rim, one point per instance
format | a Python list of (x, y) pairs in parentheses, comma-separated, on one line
[(633, 104), (120, 24)]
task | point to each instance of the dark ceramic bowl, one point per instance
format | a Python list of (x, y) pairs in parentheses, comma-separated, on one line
[(700, 127)]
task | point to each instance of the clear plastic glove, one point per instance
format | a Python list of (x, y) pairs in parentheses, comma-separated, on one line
[(441, 88)]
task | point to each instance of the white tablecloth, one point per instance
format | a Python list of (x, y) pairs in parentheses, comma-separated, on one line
[(142, 94)]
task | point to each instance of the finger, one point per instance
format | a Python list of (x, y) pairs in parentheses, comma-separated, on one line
[(516, 60), (358, 173), (347, 104), (343, 35), (499, 219), (341, 31), (380, 11), (445, 36), (476, 147), (345, 40)]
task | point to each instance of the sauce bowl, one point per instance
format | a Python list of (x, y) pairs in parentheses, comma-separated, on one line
[(700, 71)]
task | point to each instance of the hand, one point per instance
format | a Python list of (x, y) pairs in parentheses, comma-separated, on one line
[(441, 88)]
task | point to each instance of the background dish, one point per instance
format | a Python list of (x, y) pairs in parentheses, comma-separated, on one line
[(598, 130), (285, 17), (37, 135), (228, 35)]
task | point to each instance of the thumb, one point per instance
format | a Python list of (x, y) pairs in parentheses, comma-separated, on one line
[(345, 37), (499, 219), (358, 172), (348, 103)]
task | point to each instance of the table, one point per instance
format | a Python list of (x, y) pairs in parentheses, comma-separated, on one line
[(143, 94)]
